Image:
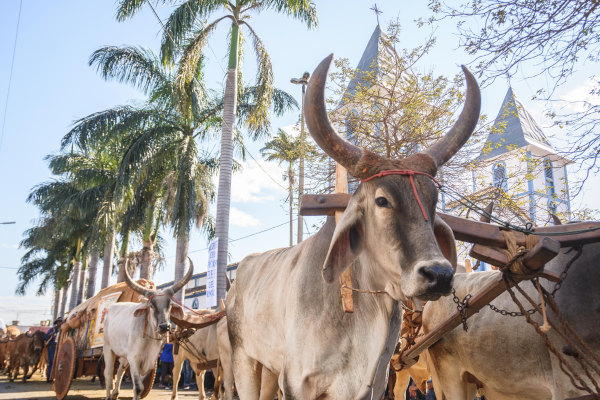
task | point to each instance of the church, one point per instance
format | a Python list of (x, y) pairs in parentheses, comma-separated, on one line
[(517, 167)]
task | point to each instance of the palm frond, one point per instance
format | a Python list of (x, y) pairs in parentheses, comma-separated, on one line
[(303, 10), (191, 55), (135, 66), (258, 119)]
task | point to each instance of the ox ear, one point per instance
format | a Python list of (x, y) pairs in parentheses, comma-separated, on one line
[(346, 244), (445, 239), (177, 312), (140, 312)]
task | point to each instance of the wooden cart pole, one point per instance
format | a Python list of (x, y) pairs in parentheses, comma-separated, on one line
[(341, 186)]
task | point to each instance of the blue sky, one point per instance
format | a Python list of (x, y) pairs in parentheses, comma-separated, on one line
[(52, 86)]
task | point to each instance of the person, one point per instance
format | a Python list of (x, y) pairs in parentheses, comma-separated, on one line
[(430, 395), (166, 365), (50, 343), (413, 392), (2, 328)]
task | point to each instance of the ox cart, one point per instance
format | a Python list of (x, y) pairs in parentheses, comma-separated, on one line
[(79, 345)]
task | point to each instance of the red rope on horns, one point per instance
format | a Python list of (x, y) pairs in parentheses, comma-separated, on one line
[(410, 174)]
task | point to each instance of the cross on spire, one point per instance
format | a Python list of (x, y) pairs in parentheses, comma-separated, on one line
[(377, 12)]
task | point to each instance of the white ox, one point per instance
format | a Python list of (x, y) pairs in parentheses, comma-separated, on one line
[(504, 355), (205, 345), (134, 333), (283, 316)]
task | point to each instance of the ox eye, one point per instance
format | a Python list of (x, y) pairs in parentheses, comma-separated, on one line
[(382, 202)]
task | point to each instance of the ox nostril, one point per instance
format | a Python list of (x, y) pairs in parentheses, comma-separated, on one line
[(439, 278), (428, 273), (163, 327)]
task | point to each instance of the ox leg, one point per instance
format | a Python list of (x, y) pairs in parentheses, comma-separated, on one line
[(179, 359), (268, 385), (25, 371), (119, 377), (200, 383), (138, 384), (109, 366), (247, 373)]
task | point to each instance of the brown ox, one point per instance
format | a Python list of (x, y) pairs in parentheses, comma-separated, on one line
[(281, 315), (3, 353), (25, 350)]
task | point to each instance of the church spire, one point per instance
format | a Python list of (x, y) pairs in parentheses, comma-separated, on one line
[(514, 127)]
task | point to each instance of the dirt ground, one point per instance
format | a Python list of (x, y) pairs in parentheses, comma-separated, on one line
[(37, 389)]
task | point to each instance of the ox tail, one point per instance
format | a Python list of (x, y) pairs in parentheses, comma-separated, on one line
[(100, 371)]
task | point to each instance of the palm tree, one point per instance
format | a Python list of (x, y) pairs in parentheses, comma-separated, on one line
[(284, 148), (163, 166), (178, 29)]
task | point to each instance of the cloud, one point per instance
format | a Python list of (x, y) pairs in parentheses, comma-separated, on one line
[(582, 93), (29, 310), (249, 185), (241, 219)]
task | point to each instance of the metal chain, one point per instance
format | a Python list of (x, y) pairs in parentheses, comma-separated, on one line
[(563, 275), (531, 311), (461, 306)]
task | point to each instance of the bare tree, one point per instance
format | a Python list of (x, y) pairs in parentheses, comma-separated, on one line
[(551, 37)]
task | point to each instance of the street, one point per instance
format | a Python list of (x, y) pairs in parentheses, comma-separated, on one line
[(37, 389)]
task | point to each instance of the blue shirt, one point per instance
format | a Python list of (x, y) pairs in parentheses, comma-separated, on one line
[(167, 353)]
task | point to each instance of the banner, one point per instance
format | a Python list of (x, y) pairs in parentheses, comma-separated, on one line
[(211, 274), (101, 311)]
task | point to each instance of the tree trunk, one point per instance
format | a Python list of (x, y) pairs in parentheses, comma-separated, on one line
[(147, 256), (63, 302), (180, 259), (74, 284), (92, 272), (291, 190), (226, 163), (56, 304), (109, 248), (81, 289), (300, 221), (123, 257)]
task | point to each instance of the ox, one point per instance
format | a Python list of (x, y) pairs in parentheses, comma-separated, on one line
[(135, 333), (3, 352), (504, 356), (281, 315), (201, 347), (25, 350)]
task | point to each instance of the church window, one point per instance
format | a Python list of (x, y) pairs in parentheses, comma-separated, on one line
[(499, 176), (550, 190)]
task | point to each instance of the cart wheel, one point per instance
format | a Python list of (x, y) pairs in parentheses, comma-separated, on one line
[(65, 367), (148, 382)]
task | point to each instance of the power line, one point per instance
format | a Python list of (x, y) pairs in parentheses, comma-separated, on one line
[(259, 232), (261, 167), (12, 64), (243, 237)]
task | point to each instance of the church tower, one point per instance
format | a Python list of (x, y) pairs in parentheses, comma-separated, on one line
[(517, 160)]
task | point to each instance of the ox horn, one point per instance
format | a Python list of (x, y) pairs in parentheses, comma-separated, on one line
[(177, 286), (444, 148), (320, 126), (136, 286)]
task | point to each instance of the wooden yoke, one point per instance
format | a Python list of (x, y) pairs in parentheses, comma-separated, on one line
[(341, 186)]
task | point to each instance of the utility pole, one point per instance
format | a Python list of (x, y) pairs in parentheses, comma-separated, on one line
[(302, 81)]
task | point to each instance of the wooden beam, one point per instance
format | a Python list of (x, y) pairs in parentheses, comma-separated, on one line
[(323, 204), (341, 187), (467, 230)]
